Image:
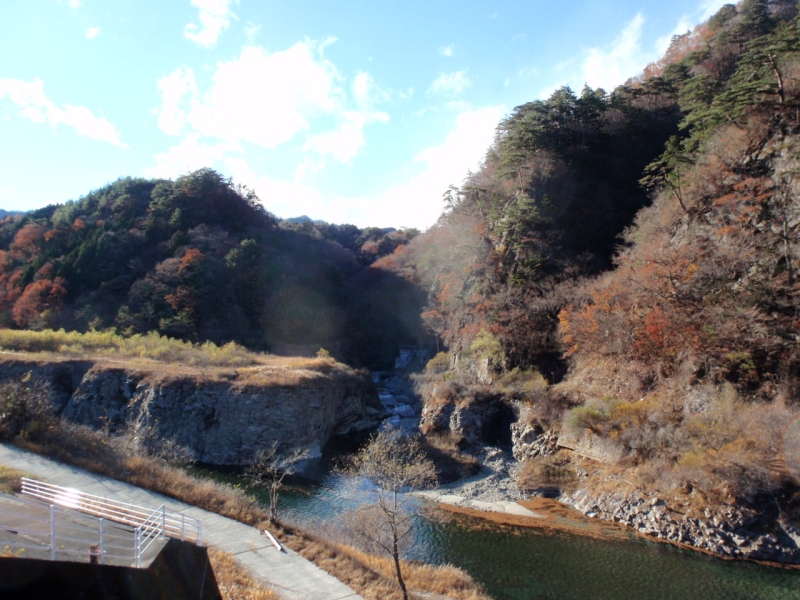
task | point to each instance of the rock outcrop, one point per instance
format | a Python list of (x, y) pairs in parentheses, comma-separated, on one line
[(529, 441), (727, 531), (220, 421), (478, 423)]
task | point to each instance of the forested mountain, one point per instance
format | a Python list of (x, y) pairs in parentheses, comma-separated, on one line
[(639, 248), (200, 259)]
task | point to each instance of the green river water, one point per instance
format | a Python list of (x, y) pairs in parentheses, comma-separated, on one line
[(516, 563)]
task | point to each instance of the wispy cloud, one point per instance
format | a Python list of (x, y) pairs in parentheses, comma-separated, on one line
[(613, 65), (414, 203), (215, 16), (92, 33), (267, 100), (450, 84), (38, 108), (447, 51)]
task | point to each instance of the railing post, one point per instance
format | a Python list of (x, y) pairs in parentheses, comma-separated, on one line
[(164, 520), (137, 542), (199, 531), (183, 527), (102, 543), (52, 532)]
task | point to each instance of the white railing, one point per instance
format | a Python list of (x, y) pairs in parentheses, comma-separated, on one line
[(55, 534), (148, 522)]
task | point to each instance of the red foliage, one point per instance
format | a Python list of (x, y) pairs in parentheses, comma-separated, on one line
[(37, 297), (28, 240)]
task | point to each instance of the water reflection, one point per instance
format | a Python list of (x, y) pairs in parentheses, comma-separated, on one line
[(523, 563)]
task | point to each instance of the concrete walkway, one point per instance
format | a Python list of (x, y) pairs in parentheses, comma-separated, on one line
[(290, 575)]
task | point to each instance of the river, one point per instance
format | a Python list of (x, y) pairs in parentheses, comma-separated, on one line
[(516, 563)]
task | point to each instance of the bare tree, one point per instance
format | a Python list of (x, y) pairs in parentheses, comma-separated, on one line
[(270, 466), (394, 464)]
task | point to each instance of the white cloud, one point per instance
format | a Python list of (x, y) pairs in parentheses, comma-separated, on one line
[(268, 100), (92, 33), (417, 203), (178, 90), (708, 8), (450, 84), (251, 31), (215, 16), (447, 51), (189, 155), (610, 67), (35, 106), (347, 139), (74, 3)]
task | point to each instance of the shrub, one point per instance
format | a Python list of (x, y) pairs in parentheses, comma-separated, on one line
[(587, 417)]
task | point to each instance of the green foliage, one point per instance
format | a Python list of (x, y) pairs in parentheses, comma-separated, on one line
[(487, 347), (438, 364), (519, 382), (588, 417)]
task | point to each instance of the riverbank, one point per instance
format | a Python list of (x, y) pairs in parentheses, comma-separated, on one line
[(492, 495)]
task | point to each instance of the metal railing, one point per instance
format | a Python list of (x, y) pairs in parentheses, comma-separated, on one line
[(55, 534), (149, 524)]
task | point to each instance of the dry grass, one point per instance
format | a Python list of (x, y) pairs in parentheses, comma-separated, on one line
[(444, 580), (555, 470), (10, 480), (374, 577), (234, 581), (443, 448), (150, 346)]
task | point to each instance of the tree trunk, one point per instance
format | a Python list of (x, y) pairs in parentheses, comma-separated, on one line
[(396, 556), (273, 503)]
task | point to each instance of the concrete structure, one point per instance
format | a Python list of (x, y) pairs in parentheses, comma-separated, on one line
[(289, 574)]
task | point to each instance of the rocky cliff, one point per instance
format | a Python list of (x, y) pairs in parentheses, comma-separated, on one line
[(221, 418)]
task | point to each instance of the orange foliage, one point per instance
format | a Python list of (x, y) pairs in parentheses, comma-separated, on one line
[(182, 299), (37, 297), (28, 240), (394, 261), (190, 261), (680, 47)]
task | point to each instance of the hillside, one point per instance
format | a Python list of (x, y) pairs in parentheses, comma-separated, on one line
[(200, 259), (621, 273)]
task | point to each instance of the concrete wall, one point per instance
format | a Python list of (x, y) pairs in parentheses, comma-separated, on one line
[(181, 571)]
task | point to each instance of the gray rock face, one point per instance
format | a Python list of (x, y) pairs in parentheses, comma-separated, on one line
[(728, 531), (220, 422), (529, 441), (479, 423)]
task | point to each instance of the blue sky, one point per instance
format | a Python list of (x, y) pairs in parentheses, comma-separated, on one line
[(353, 112)]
